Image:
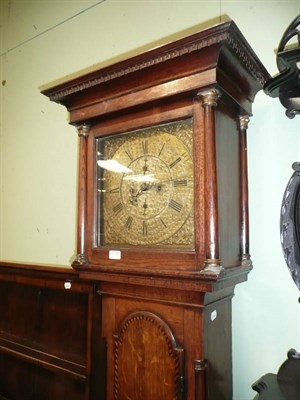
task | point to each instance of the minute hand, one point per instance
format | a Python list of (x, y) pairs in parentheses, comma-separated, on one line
[(176, 182), (159, 185)]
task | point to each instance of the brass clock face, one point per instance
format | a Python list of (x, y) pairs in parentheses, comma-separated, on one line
[(145, 187)]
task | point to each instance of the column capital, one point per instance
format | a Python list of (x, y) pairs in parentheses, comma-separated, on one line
[(83, 130), (209, 97), (80, 259), (244, 121)]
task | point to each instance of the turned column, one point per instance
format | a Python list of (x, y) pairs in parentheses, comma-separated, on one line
[(81, 257), (209, 103), (244, 234)]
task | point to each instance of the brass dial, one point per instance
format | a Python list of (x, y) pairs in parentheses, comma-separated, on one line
[(146, 187)]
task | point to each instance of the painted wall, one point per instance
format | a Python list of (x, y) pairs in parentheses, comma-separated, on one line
[(45, 40)]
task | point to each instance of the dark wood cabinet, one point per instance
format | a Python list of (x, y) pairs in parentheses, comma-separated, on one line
[(163, 231), (47, 318)]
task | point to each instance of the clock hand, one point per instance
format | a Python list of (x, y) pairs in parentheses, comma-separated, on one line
[(159, 185), (145, 186), (145, 206), (133, 197), (181, 180), (145, 167)]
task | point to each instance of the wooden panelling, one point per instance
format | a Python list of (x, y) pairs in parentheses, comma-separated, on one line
[(45, 333), (25, 380)]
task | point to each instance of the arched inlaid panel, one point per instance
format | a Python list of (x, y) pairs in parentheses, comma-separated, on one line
[(148, 363)]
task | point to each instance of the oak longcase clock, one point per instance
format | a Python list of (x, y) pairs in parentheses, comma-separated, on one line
[(163, 226)]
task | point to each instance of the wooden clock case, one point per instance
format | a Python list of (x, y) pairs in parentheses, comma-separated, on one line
[(166, 315)]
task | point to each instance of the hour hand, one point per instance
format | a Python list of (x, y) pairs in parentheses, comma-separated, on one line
[(133, 197), (144, 187)]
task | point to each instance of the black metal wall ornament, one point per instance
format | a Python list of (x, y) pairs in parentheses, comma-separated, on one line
[(285, 385), (290, 224), (286, 84)]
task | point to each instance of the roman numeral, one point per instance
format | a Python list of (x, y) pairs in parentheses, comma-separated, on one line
[(175, 206), (115, 190), (117, 208), (163, 223), (145, 228), (175, 162), (128, 223), (185, 156), (180, 182), (145, 146), (129, 155), (161, 150)]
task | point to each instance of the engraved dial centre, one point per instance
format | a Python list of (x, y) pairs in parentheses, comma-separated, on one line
[(142, 191)]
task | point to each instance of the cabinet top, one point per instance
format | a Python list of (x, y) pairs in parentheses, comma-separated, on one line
[(220, 49)]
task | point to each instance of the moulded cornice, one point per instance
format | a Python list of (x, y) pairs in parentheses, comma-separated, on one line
[(222, 34)]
